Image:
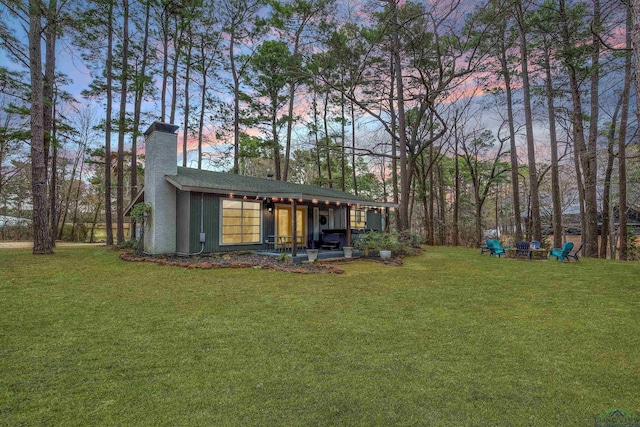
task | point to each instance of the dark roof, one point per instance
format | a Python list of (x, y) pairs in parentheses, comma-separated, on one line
[(190, 179)]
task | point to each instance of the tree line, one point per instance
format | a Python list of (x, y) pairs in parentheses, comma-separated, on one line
[(504, 114)]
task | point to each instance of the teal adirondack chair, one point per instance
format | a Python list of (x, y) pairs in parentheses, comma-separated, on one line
[(562, 253), (498, 250), (487, 248)]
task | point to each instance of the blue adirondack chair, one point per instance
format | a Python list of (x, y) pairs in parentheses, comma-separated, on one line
[(574, 253), (488, 247), (562, 253), (498, 250)]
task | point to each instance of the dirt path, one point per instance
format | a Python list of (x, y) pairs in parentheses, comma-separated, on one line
[(25, 245)]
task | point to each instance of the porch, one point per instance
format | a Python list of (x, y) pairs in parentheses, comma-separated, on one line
[(323, 254)]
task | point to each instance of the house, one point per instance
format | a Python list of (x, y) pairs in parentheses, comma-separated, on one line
[(198, 211)]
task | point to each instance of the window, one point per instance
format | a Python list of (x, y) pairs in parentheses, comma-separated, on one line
[(240, 222), (358, 219)]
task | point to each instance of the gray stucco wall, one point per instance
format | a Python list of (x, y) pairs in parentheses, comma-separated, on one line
[(160, 160)]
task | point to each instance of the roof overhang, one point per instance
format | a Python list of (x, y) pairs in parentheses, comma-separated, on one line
[(137, 199), (286, 196)]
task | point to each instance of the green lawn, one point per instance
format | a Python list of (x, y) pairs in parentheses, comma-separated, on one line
[(450, 338)]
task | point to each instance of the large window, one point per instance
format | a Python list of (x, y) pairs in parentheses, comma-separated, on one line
[(358, 219), (240, 222)]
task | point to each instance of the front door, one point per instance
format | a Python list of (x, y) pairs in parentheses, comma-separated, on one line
[(284, 231)]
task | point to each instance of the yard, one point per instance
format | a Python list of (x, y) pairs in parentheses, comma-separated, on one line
[(449, 338)]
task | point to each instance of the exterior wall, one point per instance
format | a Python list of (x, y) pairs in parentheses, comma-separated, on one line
[(160, 160), (191, 205), (339, 217), (183, 216), (374, 220), (210, 208)]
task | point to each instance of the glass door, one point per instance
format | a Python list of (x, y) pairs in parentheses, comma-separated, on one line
[(284, 226)]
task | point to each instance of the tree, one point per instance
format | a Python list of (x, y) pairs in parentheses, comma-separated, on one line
[(477, 146), (269, 66), (292, 19), (572, 52), (240, 26), (41, 233)]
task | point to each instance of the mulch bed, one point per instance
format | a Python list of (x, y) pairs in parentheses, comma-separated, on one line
[(233, 260), (247, 260)]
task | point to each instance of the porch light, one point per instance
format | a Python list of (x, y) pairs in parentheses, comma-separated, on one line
[(314, 201), (231, 195)]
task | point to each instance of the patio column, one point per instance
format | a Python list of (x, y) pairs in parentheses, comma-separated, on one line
[(294, 228), (348, 236)]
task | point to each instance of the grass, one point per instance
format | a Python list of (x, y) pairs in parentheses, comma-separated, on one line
[(450, 338)]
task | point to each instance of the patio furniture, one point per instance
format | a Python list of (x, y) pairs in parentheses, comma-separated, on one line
[(330, 240), (498, 250), (535, 244), (523, 249), (487, 247), (574, 253), (562, 253), (270, 243)]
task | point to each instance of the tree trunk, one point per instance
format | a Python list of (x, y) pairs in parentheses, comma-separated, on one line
[(353, 149), (394, 148), (140, 86), (586, 155), (606, 190), (515, 180), (405, 173), (122, 124), (327, 139), (49, 110), (622, 137), (634, 31), (177, 44), (41, 236), (165, 64), (343, 157), (553, 138), (276, 145), (593, 120), (107, 131), (236, 105), (292, 93), (203, 101), (534, 219), (185, 135), (456, 201)]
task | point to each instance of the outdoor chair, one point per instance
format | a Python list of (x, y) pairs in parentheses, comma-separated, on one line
[(574, 253), (498, 250), (535, 244), (523, 249), (562, 253), (488, 247)]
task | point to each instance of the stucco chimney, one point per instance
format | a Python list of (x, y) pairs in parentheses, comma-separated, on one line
[(161, 154)]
